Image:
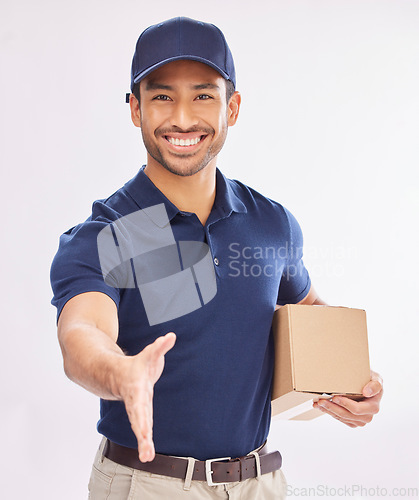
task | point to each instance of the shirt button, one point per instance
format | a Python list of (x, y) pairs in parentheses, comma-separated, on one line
[(216, 261)]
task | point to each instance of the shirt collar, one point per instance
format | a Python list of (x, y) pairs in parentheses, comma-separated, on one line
[(146, 194), (226, 200)]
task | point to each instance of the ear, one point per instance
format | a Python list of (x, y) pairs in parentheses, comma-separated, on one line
[(135, 110), (233, 107)]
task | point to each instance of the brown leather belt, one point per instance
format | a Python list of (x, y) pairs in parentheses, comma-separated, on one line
[(213, 471)]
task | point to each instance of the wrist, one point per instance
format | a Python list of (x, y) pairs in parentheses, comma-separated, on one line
[(117, 376)]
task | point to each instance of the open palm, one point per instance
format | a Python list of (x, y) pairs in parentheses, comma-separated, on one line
[(137, 391)]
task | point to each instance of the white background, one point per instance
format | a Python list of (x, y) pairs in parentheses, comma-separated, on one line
[(329, 127)]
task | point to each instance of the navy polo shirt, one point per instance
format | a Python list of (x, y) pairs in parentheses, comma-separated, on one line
[(213, 398)]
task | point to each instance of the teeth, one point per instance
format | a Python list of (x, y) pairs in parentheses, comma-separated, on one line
[(183, 142)]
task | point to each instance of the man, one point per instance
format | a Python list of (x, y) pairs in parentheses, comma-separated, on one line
[(155, 316)]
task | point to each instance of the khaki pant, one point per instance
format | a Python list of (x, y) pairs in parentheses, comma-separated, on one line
[(111, 481)]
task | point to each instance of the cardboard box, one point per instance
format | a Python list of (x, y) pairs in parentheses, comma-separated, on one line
[(320, 351)]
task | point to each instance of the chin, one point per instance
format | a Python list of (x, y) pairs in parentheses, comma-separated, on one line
[(183, 170)]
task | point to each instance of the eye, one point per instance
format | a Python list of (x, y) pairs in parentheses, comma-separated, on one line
[(204, 97), (161, 97)]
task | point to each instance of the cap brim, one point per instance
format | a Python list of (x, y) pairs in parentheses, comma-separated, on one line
[(149, 70)]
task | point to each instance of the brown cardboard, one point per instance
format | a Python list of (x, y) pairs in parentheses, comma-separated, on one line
[(320, 351)]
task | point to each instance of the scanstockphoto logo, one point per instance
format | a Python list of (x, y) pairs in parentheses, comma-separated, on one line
[(352, 490), (139, 251)]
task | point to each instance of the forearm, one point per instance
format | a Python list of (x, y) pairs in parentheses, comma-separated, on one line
[(93, 360)]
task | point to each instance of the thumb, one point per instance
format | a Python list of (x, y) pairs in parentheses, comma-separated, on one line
[(162, 345), (374, 386)]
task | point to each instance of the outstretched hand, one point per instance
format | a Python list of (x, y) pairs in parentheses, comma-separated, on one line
[(136, 388)]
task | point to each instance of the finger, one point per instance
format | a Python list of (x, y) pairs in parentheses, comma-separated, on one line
[(146, 445), (341, 412), (140, 413), (376, 376), (364, 407), (162, 345), (140, 404), (146, 450), (349, 423), (374, 386), (143, 433), (372, 389)]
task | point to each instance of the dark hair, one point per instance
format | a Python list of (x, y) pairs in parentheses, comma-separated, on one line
[(229, 90)]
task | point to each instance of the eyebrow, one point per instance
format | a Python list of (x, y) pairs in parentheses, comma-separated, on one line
[(150, 85), (157, 86), (206, 86)]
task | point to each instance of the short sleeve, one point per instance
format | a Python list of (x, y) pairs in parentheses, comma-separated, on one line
[(76, 266), (295, 281)]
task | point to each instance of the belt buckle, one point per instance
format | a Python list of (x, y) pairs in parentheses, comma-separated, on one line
[(209, 471)]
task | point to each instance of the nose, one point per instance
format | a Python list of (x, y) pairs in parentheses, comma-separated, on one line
[(183, 116)]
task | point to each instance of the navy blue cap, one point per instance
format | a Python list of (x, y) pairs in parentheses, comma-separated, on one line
[(181, 38)]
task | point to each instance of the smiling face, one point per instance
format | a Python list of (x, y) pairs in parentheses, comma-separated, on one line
[(184, 116)]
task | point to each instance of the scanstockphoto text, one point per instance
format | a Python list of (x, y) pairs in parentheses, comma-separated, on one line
[(352, 490), (269, 261)]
